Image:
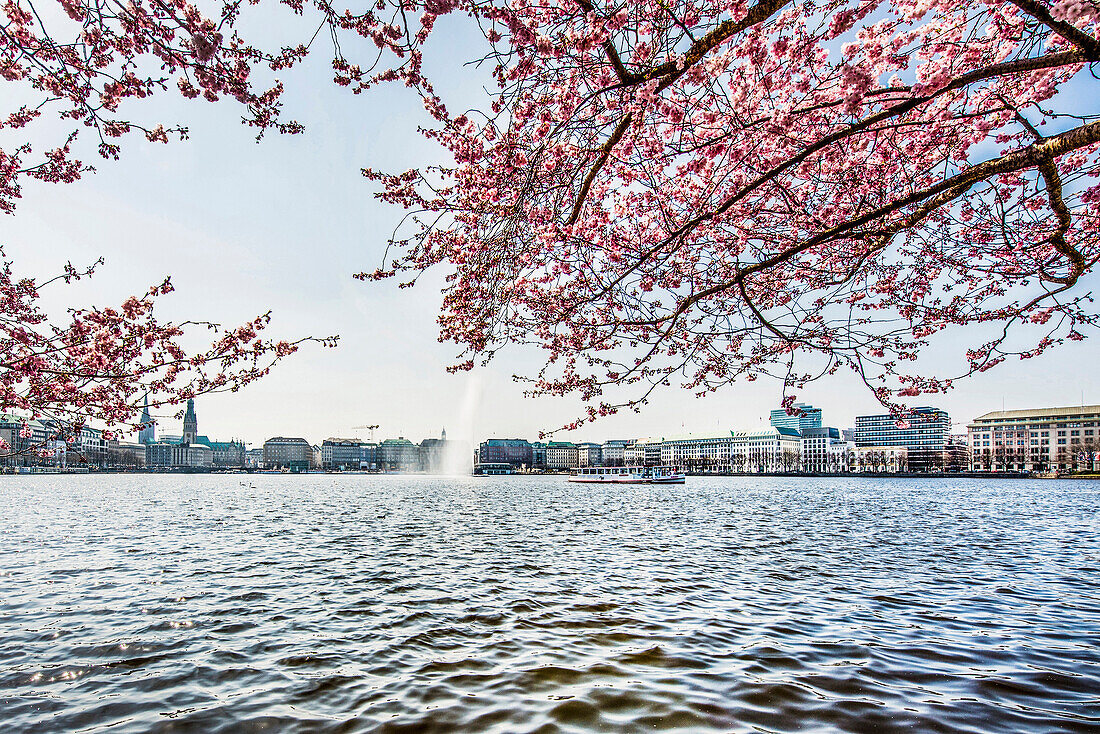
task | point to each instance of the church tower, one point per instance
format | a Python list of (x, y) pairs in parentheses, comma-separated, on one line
[(148, 432), (190, 423)]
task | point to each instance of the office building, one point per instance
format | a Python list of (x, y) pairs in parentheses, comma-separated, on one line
[(341, 454), (612, 451), (803, 417), (513, 451), (702, 452), (281, 452), (561, 455), (765, 450), (923, 432), (1039, 439), (398, 455), (824, 450)]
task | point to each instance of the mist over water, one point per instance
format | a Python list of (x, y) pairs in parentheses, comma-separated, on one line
[(522, 604), (458, 457)]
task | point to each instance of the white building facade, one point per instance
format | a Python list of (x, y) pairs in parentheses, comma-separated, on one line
[(824, 450), (589, 454), (881, 459), (766, 450), (699, 452), (562, 455), (613, 453)]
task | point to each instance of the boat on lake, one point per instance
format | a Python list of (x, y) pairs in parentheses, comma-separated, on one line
[(628, 475), (492, 470)]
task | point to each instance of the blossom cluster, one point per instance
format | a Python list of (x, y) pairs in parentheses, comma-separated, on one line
[(96, 364), (711, 191)]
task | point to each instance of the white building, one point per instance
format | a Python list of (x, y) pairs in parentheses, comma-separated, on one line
[(562, 455), (644, 452), (613, 452), (704, 452), (589, 454), (881, 459), (766, 450), (824, 450)]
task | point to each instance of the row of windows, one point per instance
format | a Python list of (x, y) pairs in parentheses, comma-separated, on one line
[(1032, 426)]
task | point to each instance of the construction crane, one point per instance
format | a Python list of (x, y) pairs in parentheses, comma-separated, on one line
[(368, 428)]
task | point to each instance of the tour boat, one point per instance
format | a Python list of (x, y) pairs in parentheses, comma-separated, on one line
[(491, 470), (628, 475)]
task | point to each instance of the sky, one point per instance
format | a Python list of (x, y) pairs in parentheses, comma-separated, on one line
[(282, 225)]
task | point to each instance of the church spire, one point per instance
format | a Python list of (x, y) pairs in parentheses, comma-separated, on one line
[(148, 432), (190, 423)]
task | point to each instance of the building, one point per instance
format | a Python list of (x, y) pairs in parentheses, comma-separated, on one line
[(705, 452), (148, 432), (766, 450), (368, 456), (880, 459), (26, 442), (163, 455), (281, 452), (804, 416), (341, 454), (254, 458), (589, 454), (89, 447), (643, 452), (612, 451), (398, 455), (228, 454), (956, 454), (1040, 439), (824, 450), (538, 455), (125, 454), (923, 433), (514, 451), (159, 455), (561, 455)]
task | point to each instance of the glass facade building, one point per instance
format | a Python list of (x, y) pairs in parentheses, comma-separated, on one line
[(924, 433), (807, 417)]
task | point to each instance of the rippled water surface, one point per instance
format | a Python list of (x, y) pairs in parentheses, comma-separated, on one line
[(511, 604)]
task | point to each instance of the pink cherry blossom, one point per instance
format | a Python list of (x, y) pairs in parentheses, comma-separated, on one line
[(683, 192)]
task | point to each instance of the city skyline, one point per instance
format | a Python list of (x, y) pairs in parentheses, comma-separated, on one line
[(958, 426)]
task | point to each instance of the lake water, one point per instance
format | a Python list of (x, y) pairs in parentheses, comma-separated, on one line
[(513, 604)]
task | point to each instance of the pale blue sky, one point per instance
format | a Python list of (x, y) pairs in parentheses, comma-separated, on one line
[(282, 225)]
